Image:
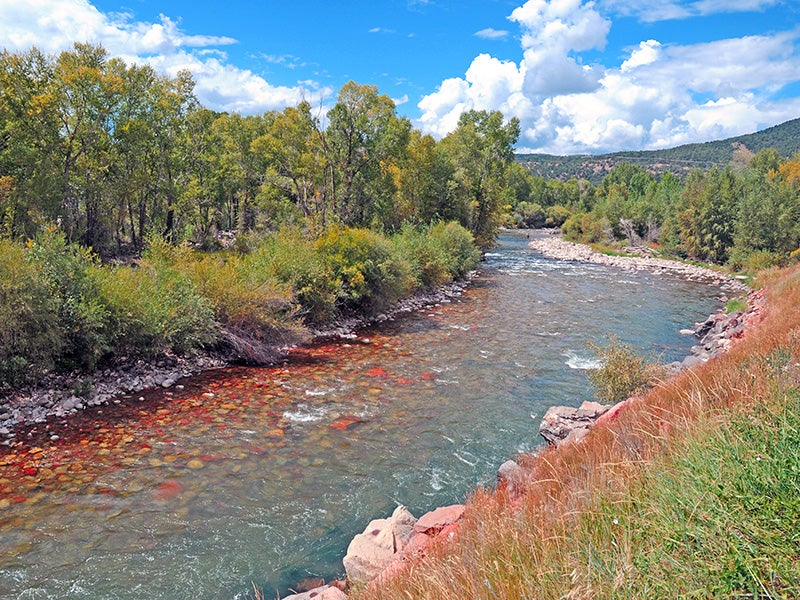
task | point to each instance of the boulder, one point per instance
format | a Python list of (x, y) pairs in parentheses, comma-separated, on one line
[(559, 422), (372, 551), (433, 522), (509, 476), (326, 592)]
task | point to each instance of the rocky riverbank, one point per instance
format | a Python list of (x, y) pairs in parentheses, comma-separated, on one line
[(716, 335), (63, 395), (388, 544), (554, 246)]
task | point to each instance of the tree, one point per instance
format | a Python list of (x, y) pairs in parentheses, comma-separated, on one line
[(293, 156), (706, 218), (363, 138), (481, 149), (423, 182)]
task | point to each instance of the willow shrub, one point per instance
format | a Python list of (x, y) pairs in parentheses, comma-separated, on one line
[(437, 254), (369, 272), (293, 260), (256, 312), (458, 245), (82, 312), (622, 373), (155, 306), (31, 336)]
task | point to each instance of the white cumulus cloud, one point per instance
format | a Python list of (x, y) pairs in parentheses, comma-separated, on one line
[(54, 25), (658, 94)]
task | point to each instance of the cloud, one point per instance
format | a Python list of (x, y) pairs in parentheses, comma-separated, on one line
[(657, 94), (401, 100), (54, 25), (651, 11), (492, 34)]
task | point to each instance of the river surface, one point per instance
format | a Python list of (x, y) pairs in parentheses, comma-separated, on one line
[(263, 475)]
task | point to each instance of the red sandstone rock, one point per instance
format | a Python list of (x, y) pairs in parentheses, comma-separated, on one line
[(614, 412), (436, 520), (326, 592), (372, 551)]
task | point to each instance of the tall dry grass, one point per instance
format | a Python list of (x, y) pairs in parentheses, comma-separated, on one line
[(666, 501)]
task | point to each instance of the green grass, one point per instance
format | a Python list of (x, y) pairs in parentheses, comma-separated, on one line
[(735, 305), (718, 518)]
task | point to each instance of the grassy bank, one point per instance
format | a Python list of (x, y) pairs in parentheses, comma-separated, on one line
[(61, 309), (694, 493)]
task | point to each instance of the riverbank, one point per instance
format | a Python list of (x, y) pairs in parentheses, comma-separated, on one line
[(719, 438), (554, 246), (385, 551), (63, 395)]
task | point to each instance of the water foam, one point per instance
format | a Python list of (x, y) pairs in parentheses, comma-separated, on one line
[(582, 363)]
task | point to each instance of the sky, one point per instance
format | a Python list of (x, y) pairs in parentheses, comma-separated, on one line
[(581, 76)]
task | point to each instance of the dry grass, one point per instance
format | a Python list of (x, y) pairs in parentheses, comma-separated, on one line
[(651, 505)]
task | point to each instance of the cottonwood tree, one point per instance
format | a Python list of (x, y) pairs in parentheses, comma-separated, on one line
[(363, 138), (481, 149)]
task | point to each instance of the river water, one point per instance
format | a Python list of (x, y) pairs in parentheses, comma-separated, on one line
[(263, 475)]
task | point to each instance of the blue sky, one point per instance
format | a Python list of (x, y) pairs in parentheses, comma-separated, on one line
[(581, 76)]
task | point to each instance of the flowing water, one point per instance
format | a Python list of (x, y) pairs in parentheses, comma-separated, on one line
[(263, 475)]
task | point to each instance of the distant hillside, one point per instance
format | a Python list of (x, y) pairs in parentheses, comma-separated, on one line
[(785, 138)]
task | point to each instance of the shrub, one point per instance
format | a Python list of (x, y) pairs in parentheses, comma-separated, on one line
[(255, 310), (155, 307), (622, 373), (294, 261), (458, 244), (70, 272), (370, 274), (31, 336), (530, 215), (556, 216), (426, 257)]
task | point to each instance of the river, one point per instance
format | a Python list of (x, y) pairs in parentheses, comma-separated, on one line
[(263, 475)]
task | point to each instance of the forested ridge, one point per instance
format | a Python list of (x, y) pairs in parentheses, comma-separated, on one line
[(784, 138), (322, 213)]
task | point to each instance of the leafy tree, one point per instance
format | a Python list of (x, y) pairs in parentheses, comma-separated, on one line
[(424, 184), (293, 155), (364, 136), (481, 149), (707, 215)]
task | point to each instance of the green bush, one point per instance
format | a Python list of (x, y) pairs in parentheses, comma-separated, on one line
[(556, 216), (70, 272), (622, 373), (370, 273), (155, 307), (753, 261), (293, 260), (31, 336), (427, 259), (458, 245)]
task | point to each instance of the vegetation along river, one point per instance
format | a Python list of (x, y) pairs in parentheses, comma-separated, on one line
[(265, 474)]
